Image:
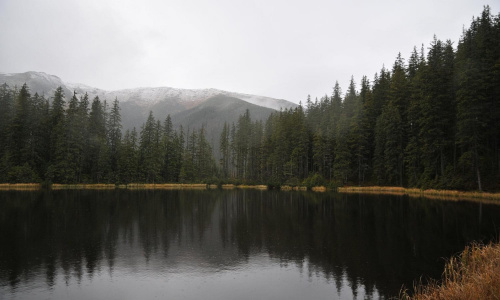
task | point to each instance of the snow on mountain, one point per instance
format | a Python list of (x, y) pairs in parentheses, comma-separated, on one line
[(39, 82), (149, 96), (46, 84)]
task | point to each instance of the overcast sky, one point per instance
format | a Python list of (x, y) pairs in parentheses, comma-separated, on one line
[(278, 48)]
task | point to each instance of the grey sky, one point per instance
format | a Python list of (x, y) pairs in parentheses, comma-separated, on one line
[(277, 48)]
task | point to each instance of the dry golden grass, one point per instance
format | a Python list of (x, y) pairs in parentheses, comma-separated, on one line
[(474, 274), (302, 188), (166, 186), (257, 187), (20, 186), (318, 189), (96, 186), (434, 194)]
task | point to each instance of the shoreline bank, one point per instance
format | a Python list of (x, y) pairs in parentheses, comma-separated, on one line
[(130, 186), (452, 195)]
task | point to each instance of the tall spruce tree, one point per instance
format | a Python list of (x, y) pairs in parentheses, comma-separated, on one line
[(224, 150), (98, 147), (114, 136)]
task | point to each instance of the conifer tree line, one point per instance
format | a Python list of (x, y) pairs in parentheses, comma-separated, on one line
[(430, 122), (81, 141)]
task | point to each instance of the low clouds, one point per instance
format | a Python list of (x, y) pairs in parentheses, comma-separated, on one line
[(275, 48)]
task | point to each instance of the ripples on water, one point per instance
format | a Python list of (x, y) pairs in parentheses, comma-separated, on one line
[(227, 244)]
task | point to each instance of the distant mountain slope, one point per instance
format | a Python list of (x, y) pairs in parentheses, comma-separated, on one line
[(136, 103), (214, 112), (39, 82)]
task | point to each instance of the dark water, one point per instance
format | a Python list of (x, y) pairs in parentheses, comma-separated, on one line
[(227, 244)]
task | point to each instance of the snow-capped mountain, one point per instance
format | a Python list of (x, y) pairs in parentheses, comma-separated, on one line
[(189, 97), (146, 96)]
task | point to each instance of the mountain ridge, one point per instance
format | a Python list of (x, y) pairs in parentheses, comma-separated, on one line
[(143, 95)]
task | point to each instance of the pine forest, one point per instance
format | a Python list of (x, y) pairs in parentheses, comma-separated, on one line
[(429, 121)]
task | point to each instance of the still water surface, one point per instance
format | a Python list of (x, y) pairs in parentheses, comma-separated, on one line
[(238, 244)]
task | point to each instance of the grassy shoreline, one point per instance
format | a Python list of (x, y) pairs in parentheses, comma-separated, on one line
[(431, 193), (473, 274), (382, 190)]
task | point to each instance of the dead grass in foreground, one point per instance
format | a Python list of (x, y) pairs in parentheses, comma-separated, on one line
[(473, 274), (433, 194)]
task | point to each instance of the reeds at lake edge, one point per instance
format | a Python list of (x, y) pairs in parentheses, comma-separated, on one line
[(412, 192), (94, 186), (432, 194), (473, 274), (165, 186), (20, 186)]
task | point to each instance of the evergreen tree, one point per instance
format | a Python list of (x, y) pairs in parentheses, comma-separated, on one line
[(84, 167), (413, 153), (399, 99), (114, 135), (6, 113), (56, 119), (20, 129), (363, 132), (242, 135), (344, 137), (149, 159), (168, 145), (389, 147), (188, 169), (98, 147), (476, 100), (128, 157), (224, 150), (69, 146)]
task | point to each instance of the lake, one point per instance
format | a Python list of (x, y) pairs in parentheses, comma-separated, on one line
[(234, 244)]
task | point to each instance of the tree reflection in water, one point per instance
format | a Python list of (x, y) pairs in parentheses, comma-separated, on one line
[(375, 242)]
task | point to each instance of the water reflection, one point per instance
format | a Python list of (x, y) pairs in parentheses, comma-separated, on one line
[(361, 246)]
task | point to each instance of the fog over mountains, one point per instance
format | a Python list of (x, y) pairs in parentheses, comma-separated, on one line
[(191, 108), (136, 103)]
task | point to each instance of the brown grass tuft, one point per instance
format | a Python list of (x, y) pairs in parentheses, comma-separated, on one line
[(473, 274)]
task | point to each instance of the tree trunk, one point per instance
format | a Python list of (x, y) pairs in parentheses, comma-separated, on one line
[(476, 158), (479, 179), (442, 162)]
